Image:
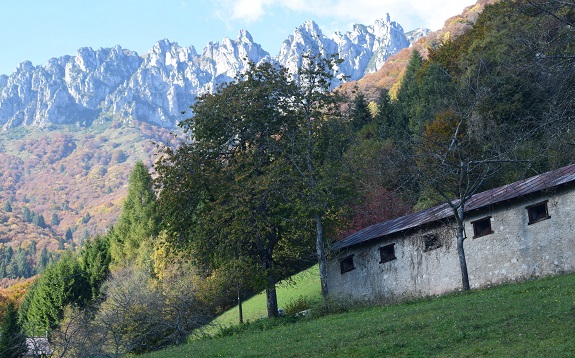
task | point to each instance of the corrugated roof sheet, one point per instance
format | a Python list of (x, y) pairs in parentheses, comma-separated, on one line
[(510, 191)]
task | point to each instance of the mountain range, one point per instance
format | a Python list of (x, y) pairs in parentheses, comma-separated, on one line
[(112, 84)]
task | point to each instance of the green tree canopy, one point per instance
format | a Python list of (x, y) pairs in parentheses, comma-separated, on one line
[(61, 284), (254, 172)]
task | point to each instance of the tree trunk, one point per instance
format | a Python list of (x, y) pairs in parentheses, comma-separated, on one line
[(320, 251), (271, 297), (460, 251), (241, 312)]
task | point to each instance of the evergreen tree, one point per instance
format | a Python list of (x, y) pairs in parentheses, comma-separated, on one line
[(32, 248), (23, 268), (360, 114), (409, 93), (26, 214), (85, 236), (8, 253), (95, 260), (8, 207), (138, 220), (12, 269), (385, 117), (6, 269), (61, 284), (12, 339), (55, 220), (39, 221), (68, 236), (2, 269), (42, 260)]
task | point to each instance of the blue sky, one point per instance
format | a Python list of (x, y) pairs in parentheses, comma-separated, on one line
[(38, 30)]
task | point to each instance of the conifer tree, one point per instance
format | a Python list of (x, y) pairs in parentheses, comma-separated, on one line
[(409, 93), (389, 125), (26, 214), (68, 236), (138, 220), (12, 339), (95, 259), (61, 284), (39, 220), (42, 260), (360, 114), (55, 220)]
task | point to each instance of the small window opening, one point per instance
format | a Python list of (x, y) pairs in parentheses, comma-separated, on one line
[(387, 253), (537, 212), (431, 242), (482, 227), (346, 264)]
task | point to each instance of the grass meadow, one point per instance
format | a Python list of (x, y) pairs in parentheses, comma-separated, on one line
[(530, 319)]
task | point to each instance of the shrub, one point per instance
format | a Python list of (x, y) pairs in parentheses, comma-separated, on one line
[(295, 306)]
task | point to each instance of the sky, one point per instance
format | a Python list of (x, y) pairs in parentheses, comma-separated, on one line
[(37, 30)]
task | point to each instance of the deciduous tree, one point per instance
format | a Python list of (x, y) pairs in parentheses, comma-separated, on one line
[(240, 210)]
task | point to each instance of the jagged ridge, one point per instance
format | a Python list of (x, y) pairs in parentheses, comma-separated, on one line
[(117, 83)]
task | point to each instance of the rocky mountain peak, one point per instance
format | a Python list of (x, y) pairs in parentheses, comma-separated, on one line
[(115, 83), (244, 36), (25, 66)]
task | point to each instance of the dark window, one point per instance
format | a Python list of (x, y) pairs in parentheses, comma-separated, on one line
[(431, 242), (347, 264), (482, 227), (537, 212), (387, 253)]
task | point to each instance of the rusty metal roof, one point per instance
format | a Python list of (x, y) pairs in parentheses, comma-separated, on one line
[(507, 192)]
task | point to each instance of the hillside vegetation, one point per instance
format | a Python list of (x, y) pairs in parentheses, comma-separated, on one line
[(61, 185), (530, 319)]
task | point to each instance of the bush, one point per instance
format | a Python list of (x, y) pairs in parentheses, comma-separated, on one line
[(295, 306)]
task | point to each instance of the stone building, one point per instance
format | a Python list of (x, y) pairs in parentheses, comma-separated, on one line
[(521, 230)]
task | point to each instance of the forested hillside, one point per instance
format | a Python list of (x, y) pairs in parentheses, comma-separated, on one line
[(61, 185), (272, 169)]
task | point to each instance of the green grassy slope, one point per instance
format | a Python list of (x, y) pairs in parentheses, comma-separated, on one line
[(305, 284), (535, 318)]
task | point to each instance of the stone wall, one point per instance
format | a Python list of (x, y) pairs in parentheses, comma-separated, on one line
[(518, 250), (426, 261)]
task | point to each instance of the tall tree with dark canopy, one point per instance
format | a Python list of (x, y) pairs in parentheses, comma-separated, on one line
[(241, 211), (254, 170)]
